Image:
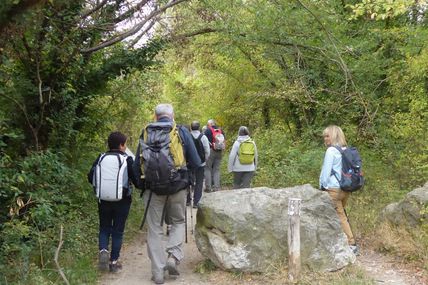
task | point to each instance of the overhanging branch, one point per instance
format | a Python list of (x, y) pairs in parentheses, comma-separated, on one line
[(134, 29)]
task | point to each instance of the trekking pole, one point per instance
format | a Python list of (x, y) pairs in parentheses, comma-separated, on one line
[(191, 207), (347, 218), (145, 211), (185, 224)]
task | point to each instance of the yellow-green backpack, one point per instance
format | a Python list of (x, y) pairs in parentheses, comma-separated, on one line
[(247, 152)]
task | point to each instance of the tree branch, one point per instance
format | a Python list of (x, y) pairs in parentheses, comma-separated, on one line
[(133, 30), (57, 255), (93, 10), (192, 34), (342, 64), (33, 129), (130, 12), (138, 38)]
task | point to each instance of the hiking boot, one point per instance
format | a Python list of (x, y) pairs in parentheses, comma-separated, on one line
[(103, 259), (355, 249), (115, 266), (158, 278), (171, 266)]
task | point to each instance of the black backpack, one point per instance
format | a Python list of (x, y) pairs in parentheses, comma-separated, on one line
[(352, 174), (161, 158), (199, 147)]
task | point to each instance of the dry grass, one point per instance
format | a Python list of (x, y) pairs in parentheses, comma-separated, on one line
[(400, 242), (278, 274)]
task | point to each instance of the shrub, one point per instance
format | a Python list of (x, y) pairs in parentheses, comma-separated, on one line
[(39, 194)]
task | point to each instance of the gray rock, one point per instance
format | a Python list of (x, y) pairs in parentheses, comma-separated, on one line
[(409, 212), (246, 229)]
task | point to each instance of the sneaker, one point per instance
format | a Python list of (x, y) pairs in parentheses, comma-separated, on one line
[(171, 266), (103, 259), (355, 249), (115, 266), (158, 278), (195, 206)]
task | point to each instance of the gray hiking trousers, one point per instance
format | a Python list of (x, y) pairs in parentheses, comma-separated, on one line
[(175, 207), (212, 171)]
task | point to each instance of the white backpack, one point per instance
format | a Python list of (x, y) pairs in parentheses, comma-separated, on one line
[(108, 176)]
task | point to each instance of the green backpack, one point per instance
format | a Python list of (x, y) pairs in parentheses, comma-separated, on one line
[(247, 152)]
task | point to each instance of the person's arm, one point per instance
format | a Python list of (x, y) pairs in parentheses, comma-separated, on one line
[(92, 170), (232, 156), (208, 133), (190, 152), (256, 156), (136, 170), (327, 167), (131, 174), (206, 145)]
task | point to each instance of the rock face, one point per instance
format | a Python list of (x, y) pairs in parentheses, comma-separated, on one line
[(246, 229), (410, 211)]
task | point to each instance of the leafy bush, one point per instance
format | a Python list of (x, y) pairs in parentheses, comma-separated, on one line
[(284, 162), (39, 194)]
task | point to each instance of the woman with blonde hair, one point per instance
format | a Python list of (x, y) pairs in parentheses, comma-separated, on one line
[(330, 176)]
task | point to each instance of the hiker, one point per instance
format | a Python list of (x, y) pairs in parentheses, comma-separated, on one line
[(203, 147), (216, 138), (332, 164), (164, 150), (243, 159), (111, 175)]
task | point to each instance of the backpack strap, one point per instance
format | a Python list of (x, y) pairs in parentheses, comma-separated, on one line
[(164, 211), (117, 178), (146, 209), (341, 153)]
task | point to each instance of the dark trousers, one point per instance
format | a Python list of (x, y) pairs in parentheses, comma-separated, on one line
[(198, 175), (242, 179), (113, 217)]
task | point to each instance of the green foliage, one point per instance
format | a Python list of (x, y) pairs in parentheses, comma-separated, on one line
[(40, 194), (380, 10), (285, 162), (286, 69), (205, 266)]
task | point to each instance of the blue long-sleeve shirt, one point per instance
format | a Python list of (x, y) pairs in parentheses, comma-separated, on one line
[(332, 164)]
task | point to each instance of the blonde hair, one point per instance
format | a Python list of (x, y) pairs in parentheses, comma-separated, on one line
[(337, 137)]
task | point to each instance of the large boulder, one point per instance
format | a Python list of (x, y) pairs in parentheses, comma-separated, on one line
[(409, 212), (246, 229)]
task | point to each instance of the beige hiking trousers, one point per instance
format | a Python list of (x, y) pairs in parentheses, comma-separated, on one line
[(339, 199)]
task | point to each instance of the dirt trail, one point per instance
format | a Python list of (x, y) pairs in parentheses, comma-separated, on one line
[(136, 267), (136, 264), (387, 270)]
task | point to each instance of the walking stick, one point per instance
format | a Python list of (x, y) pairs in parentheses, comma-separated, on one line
[(146, 210), (185, 223), (191, 207)]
